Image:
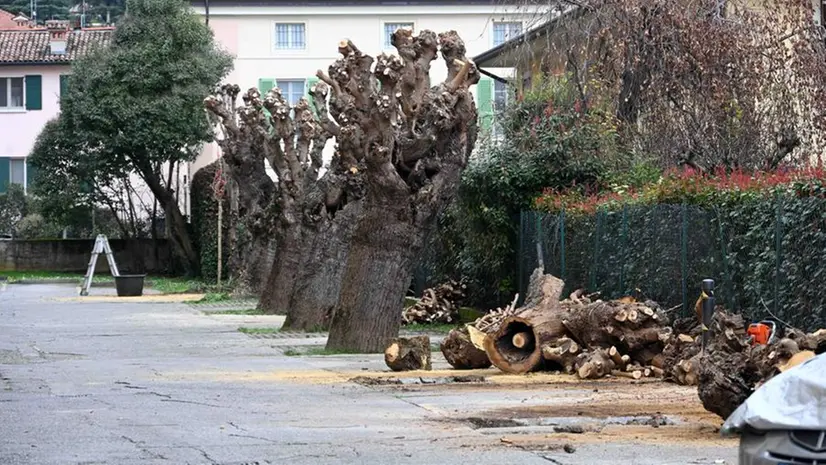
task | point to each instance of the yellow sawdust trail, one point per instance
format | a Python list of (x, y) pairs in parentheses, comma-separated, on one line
[(156, 298)]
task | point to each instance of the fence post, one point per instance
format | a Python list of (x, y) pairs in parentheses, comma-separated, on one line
[(624, 247), (522, 252), (778, 250), (592, 282), (540, 255), (562, 244), (684, 256), (707, 310), (728, 286)]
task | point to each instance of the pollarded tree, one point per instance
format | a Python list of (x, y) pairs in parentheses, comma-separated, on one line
[(401, 146), (414, 141)]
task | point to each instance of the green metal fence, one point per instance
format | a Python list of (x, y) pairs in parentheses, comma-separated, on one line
[(767, 258)]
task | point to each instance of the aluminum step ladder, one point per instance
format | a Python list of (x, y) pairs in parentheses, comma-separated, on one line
[(101, 246)]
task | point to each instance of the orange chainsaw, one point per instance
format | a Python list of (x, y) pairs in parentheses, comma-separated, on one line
[(764, 332)]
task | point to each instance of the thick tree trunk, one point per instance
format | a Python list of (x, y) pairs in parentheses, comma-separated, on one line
[(377, 275), (275, 299), (318, 283)]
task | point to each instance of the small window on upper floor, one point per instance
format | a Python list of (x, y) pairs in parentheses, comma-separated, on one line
[(390, 29), (290, 36), (11, 93), (503, 32), (291, 89)]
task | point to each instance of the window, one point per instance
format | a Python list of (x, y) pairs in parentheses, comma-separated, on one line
[(503, 32), (18, 171), (390, 29), (11, 92), (292, 90), (501, 92), (290, 36)]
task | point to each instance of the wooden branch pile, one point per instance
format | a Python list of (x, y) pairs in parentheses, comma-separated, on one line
[(590, 338), (439, 304)]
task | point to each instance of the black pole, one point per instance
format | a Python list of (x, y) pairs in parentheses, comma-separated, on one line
[(206, 8), (708, 309)]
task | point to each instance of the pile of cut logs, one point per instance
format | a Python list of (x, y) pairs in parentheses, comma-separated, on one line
[(592, 338), (439, 304)]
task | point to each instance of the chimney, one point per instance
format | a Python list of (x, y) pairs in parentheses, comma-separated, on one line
[(22, 21), (58, 34)]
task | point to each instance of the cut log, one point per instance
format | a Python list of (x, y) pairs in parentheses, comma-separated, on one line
[(595, 364), (541, 318), (461, 353), (658, 372), (625, 374), (405, 354), (658, 361), (562, 353), (686, 372), (619, 360), (522, 340)]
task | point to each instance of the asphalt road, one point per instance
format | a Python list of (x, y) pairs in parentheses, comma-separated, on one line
[(162, 383)]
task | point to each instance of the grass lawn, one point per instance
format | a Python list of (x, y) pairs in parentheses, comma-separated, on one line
[(430, 328), (162, 284), (245, 311), (248, 330)]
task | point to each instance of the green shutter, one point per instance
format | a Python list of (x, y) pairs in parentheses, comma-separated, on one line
[(310, 83), (34, 92), (264, 85), (64, 84), (5, 173), (484, 97), (31, 173)]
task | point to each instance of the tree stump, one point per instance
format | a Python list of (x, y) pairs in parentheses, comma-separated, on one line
[(405, 354), (516, 346), (461, 353)]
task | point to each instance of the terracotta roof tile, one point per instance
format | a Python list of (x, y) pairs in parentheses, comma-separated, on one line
[(7, 22), (32, 46)]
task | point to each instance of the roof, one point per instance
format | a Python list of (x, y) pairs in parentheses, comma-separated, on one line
[(505, 55), (32, 46), (7, 22)]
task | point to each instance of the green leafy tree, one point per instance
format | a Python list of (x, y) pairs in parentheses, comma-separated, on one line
[(137, 106)]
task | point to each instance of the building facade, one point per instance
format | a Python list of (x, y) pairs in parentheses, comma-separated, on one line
[(34, 68), (276, 43)]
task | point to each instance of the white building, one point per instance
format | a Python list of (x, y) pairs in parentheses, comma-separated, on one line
[(277, 43)]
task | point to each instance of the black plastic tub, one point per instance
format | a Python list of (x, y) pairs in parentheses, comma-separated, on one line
[(129, 285)]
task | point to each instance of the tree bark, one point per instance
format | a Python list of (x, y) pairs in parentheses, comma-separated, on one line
[(378, 273), (318, 282), (177, 223), (461, 353)]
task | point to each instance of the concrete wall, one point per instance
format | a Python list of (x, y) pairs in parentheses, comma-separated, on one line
[(72, 255)]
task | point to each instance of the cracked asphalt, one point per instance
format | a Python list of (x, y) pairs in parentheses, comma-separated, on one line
[(162, 383)]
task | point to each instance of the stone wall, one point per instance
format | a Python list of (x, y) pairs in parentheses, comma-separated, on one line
[(72, 255)]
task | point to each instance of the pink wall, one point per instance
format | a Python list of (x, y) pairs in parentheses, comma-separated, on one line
[(226, 35), (19, 129)]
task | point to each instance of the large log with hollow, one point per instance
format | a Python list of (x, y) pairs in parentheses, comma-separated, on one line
[(516, 346)]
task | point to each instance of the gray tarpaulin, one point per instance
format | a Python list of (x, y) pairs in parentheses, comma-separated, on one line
[(792, 400)]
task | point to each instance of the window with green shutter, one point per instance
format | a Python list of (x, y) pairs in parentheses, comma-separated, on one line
[(5, 173), (264, 85), (34, 92), (484, 103), (311, 81), (31, 174), (64, 84)]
